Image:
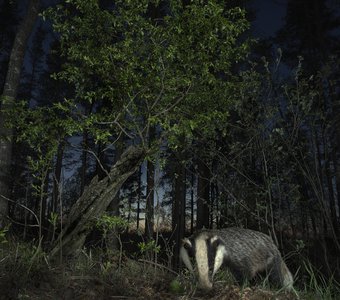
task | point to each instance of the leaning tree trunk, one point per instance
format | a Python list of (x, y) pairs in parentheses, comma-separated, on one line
[(94, 201), (8, 97)]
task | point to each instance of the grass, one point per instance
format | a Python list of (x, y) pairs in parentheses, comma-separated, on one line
[(316, 286), (27, 273)]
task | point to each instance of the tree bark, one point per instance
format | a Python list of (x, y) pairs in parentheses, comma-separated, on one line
[(83, 169), (179, 206), (149, 209), (8, 97), (139, 196), (203, 195), (113, 208), (57, 177), (150, 193), (192, 202), (94, 201)]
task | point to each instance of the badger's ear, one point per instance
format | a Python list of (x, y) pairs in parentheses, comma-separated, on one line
[(216, 241)]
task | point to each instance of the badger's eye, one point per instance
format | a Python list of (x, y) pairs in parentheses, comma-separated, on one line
[(187, 246)]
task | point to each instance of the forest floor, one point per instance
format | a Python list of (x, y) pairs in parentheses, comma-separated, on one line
[(60, 284), (27, 273)]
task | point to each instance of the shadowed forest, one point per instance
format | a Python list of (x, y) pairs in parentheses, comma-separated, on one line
[(126, 126)]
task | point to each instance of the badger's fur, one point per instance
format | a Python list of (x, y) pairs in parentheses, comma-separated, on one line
[(245, 252)]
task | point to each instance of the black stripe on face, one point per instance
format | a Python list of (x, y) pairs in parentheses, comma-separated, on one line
[(212, 246), (190, 248)]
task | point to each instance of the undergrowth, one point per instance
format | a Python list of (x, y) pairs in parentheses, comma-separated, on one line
[(27, 273)]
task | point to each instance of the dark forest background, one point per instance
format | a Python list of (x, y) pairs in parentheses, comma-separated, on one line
[(255, 143)]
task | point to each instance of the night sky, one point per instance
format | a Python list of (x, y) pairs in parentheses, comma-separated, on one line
[(270, 16)]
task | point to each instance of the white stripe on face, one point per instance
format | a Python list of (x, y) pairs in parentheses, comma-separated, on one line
[(221, 252), (202, 263), (185, 257)]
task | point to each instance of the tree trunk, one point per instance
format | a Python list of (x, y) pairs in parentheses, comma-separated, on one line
[(179, 205), (139, 196), (192, 202), (150, 194), (8, 97), (329, 174), (113, 208), (83, 169), (94, 201), (203, 195), (57, 177)]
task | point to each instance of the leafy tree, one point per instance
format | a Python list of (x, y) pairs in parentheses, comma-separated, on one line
[(175, 73), (311, 33)]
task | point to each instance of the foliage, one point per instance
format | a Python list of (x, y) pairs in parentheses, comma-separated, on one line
[(319, 287), (174, 71), (26, 271), (150, 246), (3, 232), (107, 223), (176, 287), (53, 221), (24, 263)]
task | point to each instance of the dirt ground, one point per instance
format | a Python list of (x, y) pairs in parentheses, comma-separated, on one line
[(58, 285)]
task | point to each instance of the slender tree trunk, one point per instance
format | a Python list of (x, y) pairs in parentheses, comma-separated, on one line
[(330, 174), (57, 177), (113, 208), (44, 210), (150, 193), (217, 206), (179, 205), (139, 197), (56, 193), (83, 162), (212, 205), (203, 195), (192, 203), (332, 203), (8, 98), (335, 140)]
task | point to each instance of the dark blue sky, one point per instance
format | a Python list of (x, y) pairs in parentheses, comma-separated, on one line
[(270, 16)]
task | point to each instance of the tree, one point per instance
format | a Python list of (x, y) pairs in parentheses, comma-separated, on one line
[(94, 201), (9, 18), (309, 32), (175, 73), (7, 102), (150, 192)]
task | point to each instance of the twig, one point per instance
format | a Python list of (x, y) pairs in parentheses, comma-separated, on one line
[(166, 110), (23, 206), (99, 162)]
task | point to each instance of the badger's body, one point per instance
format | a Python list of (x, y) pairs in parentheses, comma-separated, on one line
[(245, 252)]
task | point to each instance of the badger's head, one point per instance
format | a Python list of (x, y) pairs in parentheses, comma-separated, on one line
[(208, 251)]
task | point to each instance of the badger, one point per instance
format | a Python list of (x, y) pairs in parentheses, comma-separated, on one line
[(244, 252)]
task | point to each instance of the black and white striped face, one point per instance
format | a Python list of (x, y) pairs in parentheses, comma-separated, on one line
[(209, 253)]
